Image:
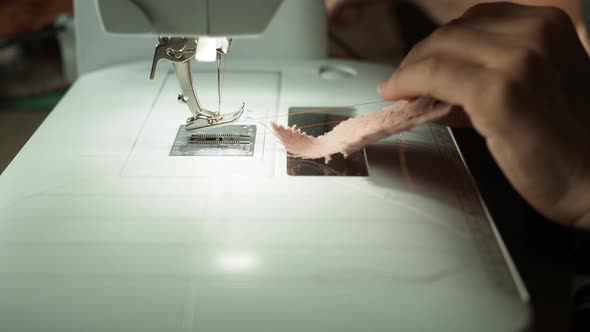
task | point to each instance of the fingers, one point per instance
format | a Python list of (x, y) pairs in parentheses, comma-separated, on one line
[(443, 78), (463, 61), (515, 73), (513, 10), (471, 87), (471, 65), (464, 43), (535, 33), (492, 41)]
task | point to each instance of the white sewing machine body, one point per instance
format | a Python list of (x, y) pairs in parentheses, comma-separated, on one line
[(102, 230)]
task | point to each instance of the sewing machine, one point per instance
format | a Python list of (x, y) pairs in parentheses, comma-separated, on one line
[(121, 215)]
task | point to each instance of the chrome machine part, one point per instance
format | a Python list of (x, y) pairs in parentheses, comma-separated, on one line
[(232, 140), (179, 51)]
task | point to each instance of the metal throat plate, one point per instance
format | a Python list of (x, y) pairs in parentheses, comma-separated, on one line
[(317, 124), (231, 140)]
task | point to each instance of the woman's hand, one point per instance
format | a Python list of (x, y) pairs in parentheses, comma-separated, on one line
[(522, 78)]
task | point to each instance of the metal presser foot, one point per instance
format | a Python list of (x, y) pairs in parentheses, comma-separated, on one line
[(201, 121), (179, 51)]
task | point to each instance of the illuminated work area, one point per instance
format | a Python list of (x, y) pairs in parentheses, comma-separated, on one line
[(183, 184)]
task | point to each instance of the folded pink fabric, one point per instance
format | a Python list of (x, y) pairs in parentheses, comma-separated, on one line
[(355, 133)]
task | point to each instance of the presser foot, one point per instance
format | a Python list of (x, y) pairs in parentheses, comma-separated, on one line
[(209, 119), (179, 51)]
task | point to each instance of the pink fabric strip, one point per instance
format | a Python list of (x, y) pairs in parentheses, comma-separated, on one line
[(355, 133)]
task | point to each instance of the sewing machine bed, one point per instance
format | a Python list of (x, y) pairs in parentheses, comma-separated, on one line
[(102, 230)]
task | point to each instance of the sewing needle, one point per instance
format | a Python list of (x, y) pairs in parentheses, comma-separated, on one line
[(219, 82)]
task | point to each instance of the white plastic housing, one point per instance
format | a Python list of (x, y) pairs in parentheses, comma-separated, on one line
[(188, 17)]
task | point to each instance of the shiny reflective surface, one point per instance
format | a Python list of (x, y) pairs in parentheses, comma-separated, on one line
[(317, 124), (229, 140)]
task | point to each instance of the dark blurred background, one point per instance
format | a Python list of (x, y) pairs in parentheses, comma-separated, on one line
[(36, 67)]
